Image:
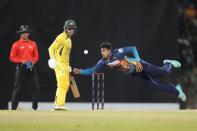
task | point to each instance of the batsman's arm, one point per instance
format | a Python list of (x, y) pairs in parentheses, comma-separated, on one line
[(92, 70), (54, 46)]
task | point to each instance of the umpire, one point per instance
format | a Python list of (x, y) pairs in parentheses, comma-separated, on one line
[(24, 54)]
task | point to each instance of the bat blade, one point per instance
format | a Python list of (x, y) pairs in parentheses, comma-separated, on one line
[(74, 87)]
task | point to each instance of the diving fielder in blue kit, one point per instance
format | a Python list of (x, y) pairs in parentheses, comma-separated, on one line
[(143, 71)]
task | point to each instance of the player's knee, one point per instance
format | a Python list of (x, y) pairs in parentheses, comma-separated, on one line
[(63, 84)]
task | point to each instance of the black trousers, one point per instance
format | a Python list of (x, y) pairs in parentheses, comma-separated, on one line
[(23, 74)]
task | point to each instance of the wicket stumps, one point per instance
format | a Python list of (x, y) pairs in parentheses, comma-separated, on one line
[(97, 87)]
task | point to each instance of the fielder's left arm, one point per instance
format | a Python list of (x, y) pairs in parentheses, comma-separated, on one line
[(130, 50), (136, 59)]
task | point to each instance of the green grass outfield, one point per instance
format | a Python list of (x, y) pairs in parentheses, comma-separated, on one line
[(98, 120)]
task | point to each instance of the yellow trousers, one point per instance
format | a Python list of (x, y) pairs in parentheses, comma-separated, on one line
[(62, 77)]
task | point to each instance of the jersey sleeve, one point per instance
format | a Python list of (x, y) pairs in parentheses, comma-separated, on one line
[(54, 46), (94, 69), (130, 50), (36, 54), (13, 54)]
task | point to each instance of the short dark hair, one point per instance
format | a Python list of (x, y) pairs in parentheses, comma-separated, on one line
[(106, 45)]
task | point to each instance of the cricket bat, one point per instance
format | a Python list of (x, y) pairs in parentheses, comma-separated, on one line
[(73, 87)]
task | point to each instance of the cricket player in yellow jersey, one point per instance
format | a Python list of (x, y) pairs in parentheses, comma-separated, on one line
[(59, 53)]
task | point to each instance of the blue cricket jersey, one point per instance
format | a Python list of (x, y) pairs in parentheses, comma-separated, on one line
[(117, 54)]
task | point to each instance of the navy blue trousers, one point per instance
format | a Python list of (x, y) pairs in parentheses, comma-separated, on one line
[(150, 71)]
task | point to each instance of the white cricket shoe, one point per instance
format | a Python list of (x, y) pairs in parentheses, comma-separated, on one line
[(175, 63), (181, 95), (60, 108)]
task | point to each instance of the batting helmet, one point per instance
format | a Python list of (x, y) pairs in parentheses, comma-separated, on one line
[(70, 24)]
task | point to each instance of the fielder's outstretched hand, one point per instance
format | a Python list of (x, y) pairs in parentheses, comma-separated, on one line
[(76, 71), (139, 67)]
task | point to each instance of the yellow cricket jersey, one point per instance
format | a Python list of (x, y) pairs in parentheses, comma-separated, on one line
[(60, 49)]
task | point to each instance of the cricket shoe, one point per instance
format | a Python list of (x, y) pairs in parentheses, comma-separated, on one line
[(181, 95), (60, 108), (175, 63)]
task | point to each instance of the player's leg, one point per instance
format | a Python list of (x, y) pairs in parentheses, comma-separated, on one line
[(19, 76), (160, 71), (35, 90), (62, 88), (160, 85)]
